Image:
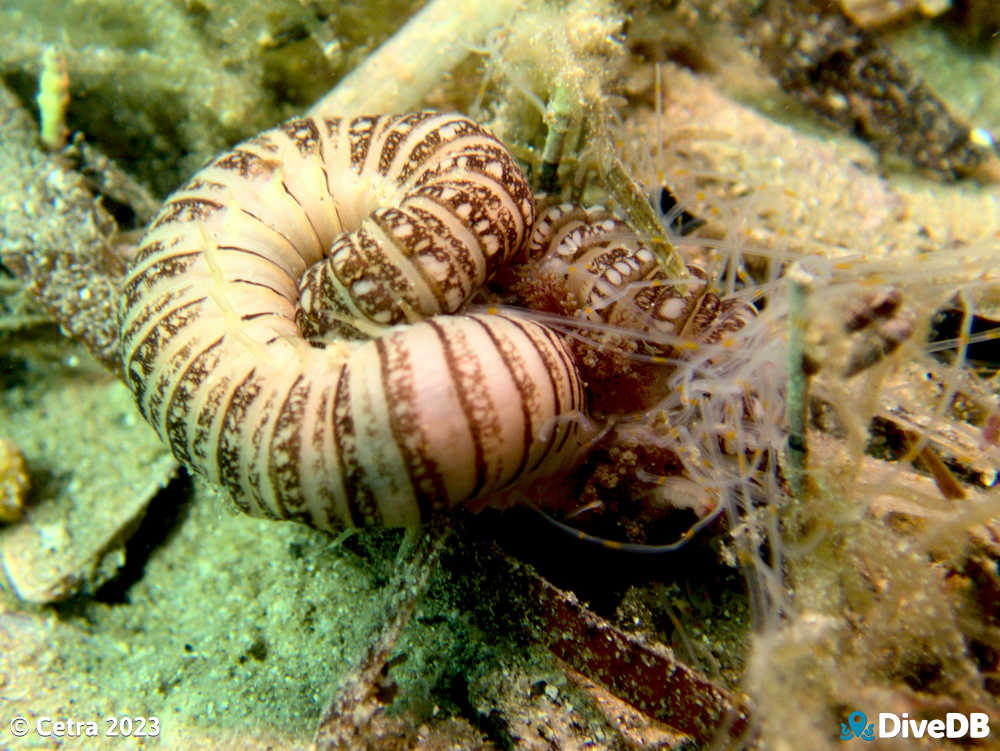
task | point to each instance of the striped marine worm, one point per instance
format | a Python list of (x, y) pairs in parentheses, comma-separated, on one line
[(289, 325), (240, 314), (613, 278)]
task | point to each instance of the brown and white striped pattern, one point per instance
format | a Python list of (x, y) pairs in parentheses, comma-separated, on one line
[(616, 279), (239, 314)]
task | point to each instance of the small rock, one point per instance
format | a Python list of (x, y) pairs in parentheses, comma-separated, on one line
[(870, 14), (13, 482), (97, 473)]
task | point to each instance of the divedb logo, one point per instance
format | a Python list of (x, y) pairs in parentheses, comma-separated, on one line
[(889, 725)]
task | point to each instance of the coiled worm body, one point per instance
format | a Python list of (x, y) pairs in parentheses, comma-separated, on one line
[(238, 313), (616, 279)]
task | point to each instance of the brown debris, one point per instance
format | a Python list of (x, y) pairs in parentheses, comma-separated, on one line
[(621, 691), (105, 177), (843, 72), (355, 717), (641, 672), (535, 712), (58, 237), (639, 730)]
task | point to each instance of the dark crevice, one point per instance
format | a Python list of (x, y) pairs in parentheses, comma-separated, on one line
[(163, 516)]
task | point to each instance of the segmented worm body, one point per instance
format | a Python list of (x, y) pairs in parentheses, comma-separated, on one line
[(615, 278), (291, 327), (236, 313)]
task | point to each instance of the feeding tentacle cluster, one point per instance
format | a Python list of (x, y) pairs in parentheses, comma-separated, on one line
[(695, 379)]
